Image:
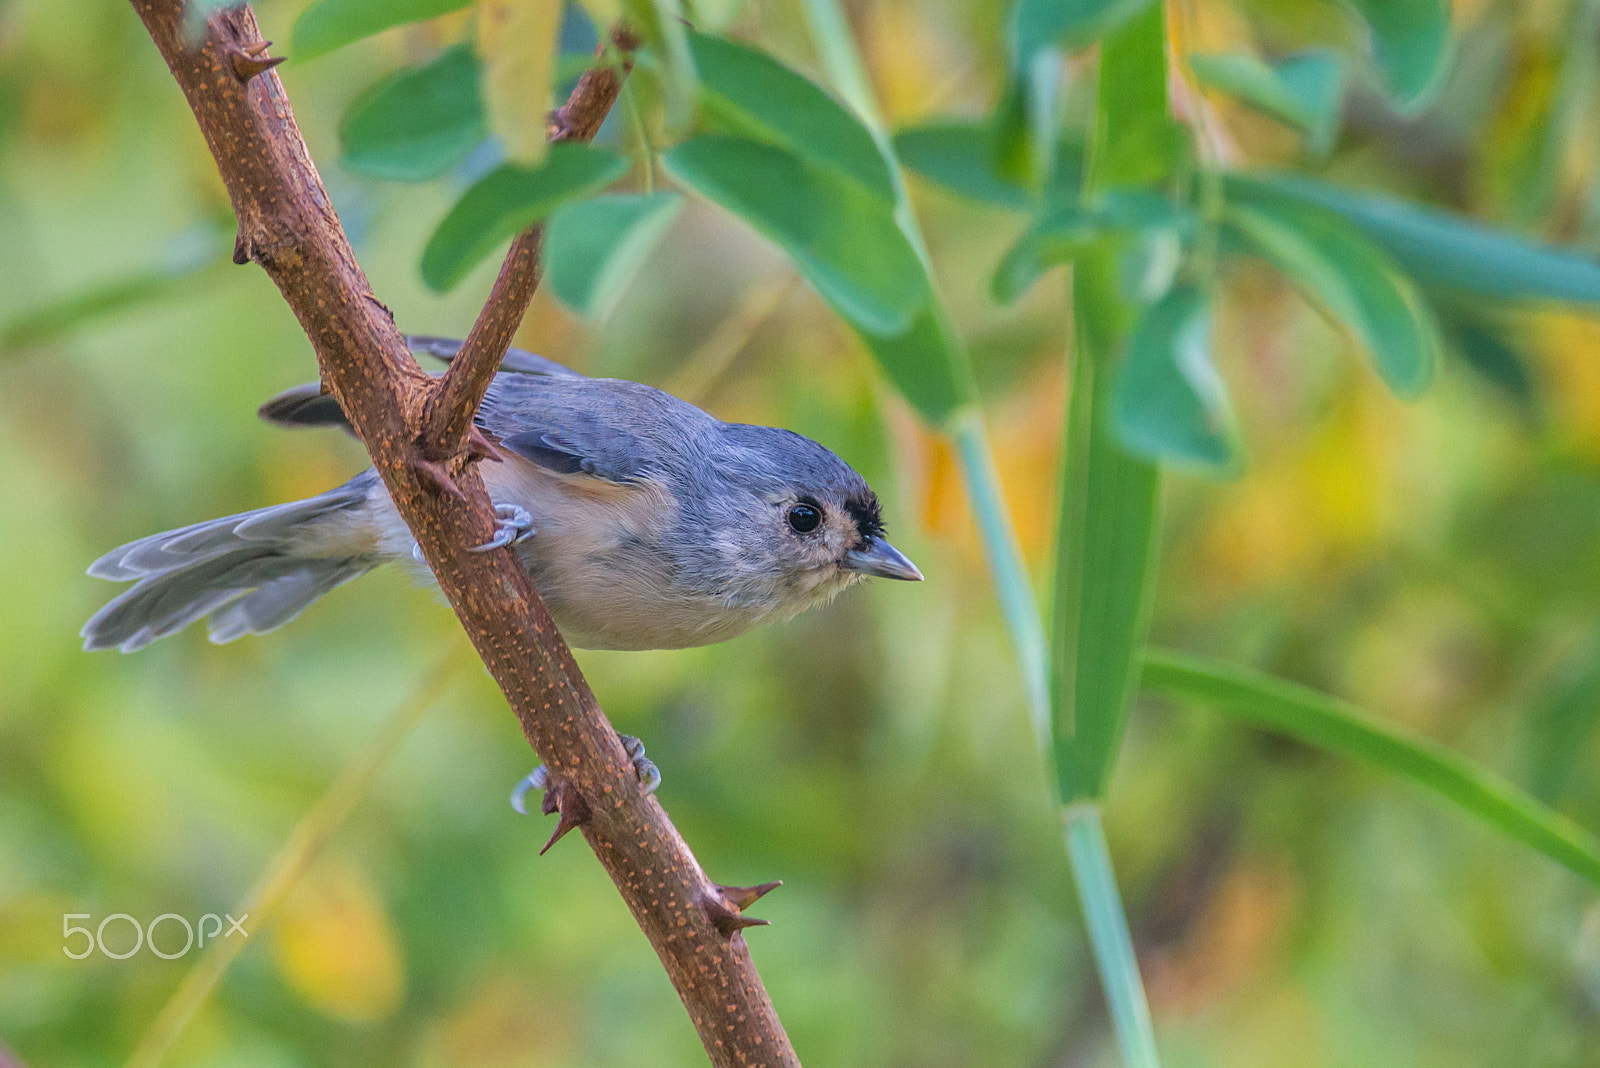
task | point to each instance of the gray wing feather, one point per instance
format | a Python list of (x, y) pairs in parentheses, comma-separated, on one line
[(305, 405), (187, 545), (280, 600), (605, 428), (517, 361)]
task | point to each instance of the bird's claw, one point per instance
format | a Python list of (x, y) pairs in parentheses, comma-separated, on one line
[(515, 525), (643, 766), (534, 780), (537, 779)]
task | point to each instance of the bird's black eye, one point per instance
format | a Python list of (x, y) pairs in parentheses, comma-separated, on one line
[(804, 518)]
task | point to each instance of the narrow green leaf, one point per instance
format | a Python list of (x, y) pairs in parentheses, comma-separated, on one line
[(1353, 282), (1332, 724), (1485, 347), (1439, 248), (928, 363), (1411, 46), (925, 363), (957, 155), (1169, 402), (1068, 230), (1105, 548), (1304, 91), (1068, 24), (1106, 536), (594, 247), (506, 201), (841, 235), (416, 124), (755, 95), (330, 24), (681, 75)]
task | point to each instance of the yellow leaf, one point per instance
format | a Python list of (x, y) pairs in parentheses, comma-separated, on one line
[(336, 947), (517, 41)]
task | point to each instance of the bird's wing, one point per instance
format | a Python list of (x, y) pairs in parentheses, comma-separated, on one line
[(517, 361), (578, 428), (305, 405), (308, 405)]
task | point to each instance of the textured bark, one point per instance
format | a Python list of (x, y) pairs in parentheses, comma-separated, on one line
[(420, 442)]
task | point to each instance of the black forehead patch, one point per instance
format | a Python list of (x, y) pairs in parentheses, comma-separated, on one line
[(863, 508)]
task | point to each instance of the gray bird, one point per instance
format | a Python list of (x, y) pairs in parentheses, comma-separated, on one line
[(645, 523)]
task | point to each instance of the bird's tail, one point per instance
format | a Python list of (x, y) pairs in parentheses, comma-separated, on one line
[(250, 573)]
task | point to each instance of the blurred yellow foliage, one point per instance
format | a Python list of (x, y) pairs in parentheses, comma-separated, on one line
[(336, 947), (517, 40), (1566, 346)]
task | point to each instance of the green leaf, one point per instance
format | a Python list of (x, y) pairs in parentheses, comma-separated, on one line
[(1068, 24), (841, 235), (1105, 547), (506, 201), (1071, 228), (925, 363), (1352, 281), (1169, 402), (416, 124), (1338, 727), (330, 24), (754, 95), (1439, 248), (1106, 536), (957, 155), (1486, 348), (1411, 46), (594, 247), (1304, 91)]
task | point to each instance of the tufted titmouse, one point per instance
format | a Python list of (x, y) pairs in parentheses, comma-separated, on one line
[(645, 523)]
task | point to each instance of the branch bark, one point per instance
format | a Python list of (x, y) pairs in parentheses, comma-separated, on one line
[(417, 432)]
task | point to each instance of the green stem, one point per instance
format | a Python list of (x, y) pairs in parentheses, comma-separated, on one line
[(1085, 841), (1018, 605), (1103, 914)]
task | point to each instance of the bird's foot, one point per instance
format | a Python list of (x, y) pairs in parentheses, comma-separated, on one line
[(643, 766), (515, 525), (537, 779)]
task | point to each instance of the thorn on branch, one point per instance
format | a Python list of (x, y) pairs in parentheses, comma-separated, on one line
[(242, 253), (742, 897), (434, 475), (725, 908), (480, 446), (559, 796), (729, 921), (249, 61)]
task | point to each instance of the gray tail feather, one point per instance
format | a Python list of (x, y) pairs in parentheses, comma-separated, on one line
[(251, 573)]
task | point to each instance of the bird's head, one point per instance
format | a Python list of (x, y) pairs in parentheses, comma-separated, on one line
[(806, 525)]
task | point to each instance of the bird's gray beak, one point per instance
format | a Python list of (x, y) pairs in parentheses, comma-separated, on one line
[(883, 560)]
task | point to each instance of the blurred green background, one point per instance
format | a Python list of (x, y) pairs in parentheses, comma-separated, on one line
[(1433, 561)]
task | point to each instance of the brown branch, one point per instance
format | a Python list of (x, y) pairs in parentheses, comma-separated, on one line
[(287, 225), (447, 419)]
